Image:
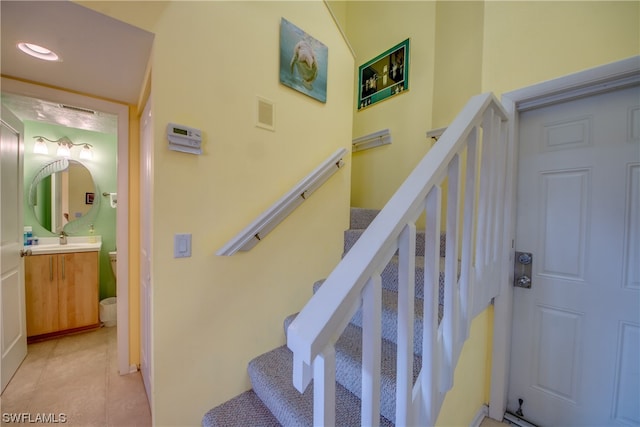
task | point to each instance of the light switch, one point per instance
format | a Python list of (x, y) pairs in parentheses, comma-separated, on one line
[(182, 245)]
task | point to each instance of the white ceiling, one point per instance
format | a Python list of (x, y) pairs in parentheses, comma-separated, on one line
[(101, 56)]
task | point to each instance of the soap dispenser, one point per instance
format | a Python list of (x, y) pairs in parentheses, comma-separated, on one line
[(28, 235), (92, 236)]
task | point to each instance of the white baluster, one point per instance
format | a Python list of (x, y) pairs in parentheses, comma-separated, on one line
[(429, 377), (406, 301), (468, 228), (324, 388), (449, 321), (371, 349)]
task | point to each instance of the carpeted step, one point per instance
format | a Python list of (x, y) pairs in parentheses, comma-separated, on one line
[(271, 376), (389, 318), (360, 218), (352, 235), (244, 410), (349, 368)]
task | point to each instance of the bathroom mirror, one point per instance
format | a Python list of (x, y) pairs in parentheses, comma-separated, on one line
[(62, 194)]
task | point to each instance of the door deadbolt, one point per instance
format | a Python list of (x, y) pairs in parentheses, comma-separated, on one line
[(522, 270), (524, 258)]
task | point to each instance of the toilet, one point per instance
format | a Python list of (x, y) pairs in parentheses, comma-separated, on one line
[(112, 261), (108, 306)]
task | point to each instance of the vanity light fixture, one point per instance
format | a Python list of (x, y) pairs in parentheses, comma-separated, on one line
[(40, 147), (86, 153), (64, 147), (64, 150), (38, 51)]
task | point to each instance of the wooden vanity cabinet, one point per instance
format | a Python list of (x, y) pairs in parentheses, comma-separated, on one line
[(61, 292)]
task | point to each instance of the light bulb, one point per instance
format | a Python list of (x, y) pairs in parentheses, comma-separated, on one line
[(40, 147), (86, 153), (63, 151)]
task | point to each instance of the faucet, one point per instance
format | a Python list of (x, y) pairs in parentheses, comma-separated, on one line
[(63, 238)]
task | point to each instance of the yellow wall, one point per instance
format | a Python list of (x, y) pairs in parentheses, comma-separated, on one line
[(212, 314), (458, 57), (372, 28), (470, 390), (527, 42)]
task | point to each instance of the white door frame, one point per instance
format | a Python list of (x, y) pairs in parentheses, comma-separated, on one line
[(122, 215), (616, 75)]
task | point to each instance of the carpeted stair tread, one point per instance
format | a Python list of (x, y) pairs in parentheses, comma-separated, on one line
[(271, 376), (390, 278), (351, 236), (360, 218), (389, 317), (349, 368), (244, 410)]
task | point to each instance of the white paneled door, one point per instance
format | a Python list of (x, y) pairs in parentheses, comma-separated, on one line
[(575, 357), (12, 303)]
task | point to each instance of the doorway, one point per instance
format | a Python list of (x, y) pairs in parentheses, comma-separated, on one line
[(575, 332), (122, 216), (609, 77)]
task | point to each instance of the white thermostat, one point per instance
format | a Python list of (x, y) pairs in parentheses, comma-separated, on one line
[(184, 138)]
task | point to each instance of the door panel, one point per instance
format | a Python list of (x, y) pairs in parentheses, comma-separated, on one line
[(632, 230), (41, 282), (575, 359), (12, 298)]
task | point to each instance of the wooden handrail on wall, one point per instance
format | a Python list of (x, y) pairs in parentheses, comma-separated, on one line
[(269, 219)]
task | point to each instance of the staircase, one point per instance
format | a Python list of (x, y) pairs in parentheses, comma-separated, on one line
[(274, 401), (381, 337)]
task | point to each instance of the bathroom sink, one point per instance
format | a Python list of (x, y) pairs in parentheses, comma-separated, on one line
[(51, 245)]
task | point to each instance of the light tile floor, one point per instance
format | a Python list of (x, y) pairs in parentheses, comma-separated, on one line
[(77, 376)]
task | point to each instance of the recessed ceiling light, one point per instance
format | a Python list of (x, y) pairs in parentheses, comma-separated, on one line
[(37, 51)]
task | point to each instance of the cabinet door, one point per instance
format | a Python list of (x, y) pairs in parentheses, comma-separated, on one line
[(41, 283), (78, 289)]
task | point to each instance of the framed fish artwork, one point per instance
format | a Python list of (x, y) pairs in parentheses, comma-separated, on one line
[(303, 61)]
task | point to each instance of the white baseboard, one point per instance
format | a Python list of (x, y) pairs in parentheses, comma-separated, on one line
[(482, 412), (516, 421)]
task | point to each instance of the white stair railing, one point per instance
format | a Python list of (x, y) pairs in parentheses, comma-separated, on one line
[(472, 150)]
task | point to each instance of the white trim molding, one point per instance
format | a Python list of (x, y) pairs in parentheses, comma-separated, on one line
[(616, 75), (269, 219), (480, 415)]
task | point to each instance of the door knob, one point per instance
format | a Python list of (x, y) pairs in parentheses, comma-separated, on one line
[(24, 253), (523, 282)]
